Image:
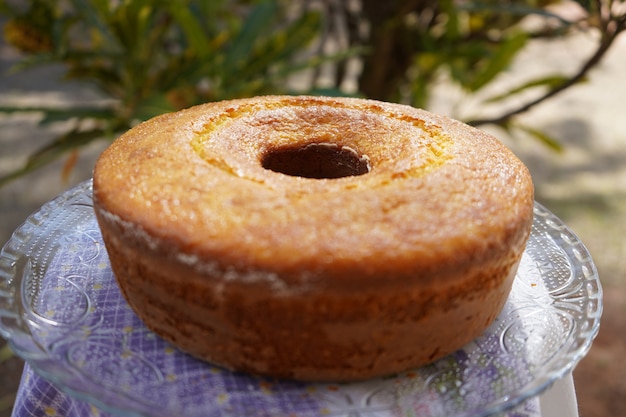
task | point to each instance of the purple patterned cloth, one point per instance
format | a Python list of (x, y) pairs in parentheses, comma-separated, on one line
[(37, 397)]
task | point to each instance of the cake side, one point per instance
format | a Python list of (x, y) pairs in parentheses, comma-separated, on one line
[(315, 335)]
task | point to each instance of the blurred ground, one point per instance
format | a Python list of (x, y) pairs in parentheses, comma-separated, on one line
[(585, 185)]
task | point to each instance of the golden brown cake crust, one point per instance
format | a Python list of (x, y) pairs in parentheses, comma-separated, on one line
[(324, 279)]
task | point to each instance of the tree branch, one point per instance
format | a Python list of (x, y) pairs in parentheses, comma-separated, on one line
[(609, 34)]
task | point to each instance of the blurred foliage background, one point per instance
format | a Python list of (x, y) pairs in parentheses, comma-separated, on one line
[(147, 57)]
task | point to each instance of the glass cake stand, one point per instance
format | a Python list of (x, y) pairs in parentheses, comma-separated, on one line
[(61, 310)]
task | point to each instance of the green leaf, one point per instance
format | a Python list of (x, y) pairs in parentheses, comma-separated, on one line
[(542, 137), (191, 27), (152, 106), (21, 109), (330, 92), (6, 9), (280, 46), (519, 9), (282, 71), (550, 81), (297, 35), (588, 5), (108, 80), (55, 115), (500, 60), (54, 150), (96, 13), (31, 61), (58, 115), (450, 10), (257, 24)]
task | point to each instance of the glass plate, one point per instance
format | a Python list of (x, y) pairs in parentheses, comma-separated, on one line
[(61, 310)]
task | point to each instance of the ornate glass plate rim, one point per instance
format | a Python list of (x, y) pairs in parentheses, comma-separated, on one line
[(546, 328)]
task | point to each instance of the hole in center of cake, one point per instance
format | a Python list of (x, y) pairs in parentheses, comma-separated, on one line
[(316, 160)]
